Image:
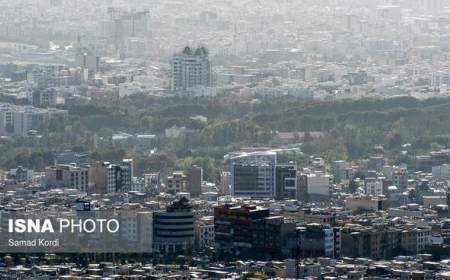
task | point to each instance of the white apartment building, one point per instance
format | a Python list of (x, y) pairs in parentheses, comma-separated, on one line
[(373, 186), (318, 184), (190, 68)]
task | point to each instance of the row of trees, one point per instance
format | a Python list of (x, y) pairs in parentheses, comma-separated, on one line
[(351, 129)]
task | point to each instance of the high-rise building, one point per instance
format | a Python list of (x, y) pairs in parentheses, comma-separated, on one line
[(67, 176), (87, 60), (114, 179), (225, 180), (190, 68), (416, 240), (173, 230), (119, 176), (253, 174), (204, 232), (194, 178), (250, 231), (152, 182), (286, 181), (400, 178), (44, 97), (98, 177), (176, 182), (342, 171), (111, 178), (233, 223), (373, 186), (138, 185), (126, 173), (313, 186)]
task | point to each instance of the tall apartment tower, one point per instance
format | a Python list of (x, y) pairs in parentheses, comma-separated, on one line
[(194, 177), (190, 68)]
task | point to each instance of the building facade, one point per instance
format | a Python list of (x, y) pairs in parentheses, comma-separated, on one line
[(111, 178), (194, 179), (190, 68), (177, 182), (21, 120), (286, 181), (67, 176), (173, 229), (253, 174), (250, 231), (373, 187), (204, 232), (316, 240)]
